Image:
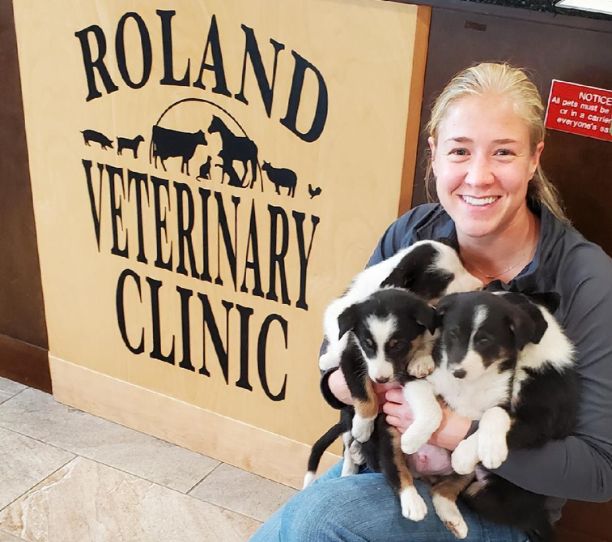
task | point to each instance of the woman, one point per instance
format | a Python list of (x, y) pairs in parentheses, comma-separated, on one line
[(486, 135)]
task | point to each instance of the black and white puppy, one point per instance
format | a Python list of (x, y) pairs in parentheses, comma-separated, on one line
[(383, 333), (429, 269), (504, 360)]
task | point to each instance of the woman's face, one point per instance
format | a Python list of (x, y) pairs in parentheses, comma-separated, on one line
[(483, 163)]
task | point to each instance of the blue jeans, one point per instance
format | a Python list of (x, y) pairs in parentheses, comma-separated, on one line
[(364, 508)]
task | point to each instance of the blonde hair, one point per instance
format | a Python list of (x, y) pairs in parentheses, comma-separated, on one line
[(514, 83)]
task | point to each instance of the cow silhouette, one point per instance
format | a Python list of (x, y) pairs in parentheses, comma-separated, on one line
[(281, 177), (166, 143), (131, 144), (235, 148), (97, 137)]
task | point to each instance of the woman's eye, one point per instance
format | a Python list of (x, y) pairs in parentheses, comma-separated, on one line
[(504, 152), (459, 152)]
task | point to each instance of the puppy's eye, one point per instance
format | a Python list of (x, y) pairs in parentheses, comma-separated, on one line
[(483, 341), (369, 343), (453, 334), (395, 345)]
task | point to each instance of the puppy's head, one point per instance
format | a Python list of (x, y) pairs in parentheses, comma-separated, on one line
[(479, 332), (389, 326)]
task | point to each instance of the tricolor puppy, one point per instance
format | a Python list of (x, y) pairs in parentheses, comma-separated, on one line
[(503, 359), (429, 269), (382, 332)]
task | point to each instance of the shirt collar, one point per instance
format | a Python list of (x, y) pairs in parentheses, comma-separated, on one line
[(538, 275)]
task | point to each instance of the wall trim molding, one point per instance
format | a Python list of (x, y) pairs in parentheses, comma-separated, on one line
[(225, 439), (25, 363)]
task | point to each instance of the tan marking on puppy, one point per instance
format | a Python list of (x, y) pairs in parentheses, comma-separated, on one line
[(444, 498), (369, 407)]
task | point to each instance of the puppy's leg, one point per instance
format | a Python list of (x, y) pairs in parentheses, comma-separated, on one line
[(465, 456), (427, 414), (492, 439), (366, 410), (398, 474), (444, 496), (357, 452), (333, 354), (349, 466)]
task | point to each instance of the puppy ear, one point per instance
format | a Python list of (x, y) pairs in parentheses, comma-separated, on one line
[(347, 320), (523, 327), (404, 274), (549, 300), (441, 308), (426, 316)]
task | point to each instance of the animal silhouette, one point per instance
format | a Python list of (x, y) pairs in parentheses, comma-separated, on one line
[(235, 148), (281, 177), (204, 170), (314, 191), (166, 143), (132, 144), (97, 137)]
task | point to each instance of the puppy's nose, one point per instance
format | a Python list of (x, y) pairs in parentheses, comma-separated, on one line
[(459, 373), (382, 379)]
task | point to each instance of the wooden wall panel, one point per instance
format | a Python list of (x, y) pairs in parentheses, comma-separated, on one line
[(23, 333)]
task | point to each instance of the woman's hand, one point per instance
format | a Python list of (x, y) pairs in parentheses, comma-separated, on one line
[(337, 385), (452, 430)]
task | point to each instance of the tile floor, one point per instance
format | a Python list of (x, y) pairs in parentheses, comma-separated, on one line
[(68, 476)]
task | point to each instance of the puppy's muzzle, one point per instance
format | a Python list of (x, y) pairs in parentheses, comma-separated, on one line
[(383, 379)]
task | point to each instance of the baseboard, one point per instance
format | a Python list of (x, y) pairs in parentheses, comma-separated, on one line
[(25, 363), (225, 439)]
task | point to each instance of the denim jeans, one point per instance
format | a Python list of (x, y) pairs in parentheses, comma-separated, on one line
[(364, 508)]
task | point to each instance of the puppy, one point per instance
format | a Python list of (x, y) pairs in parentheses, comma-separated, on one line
[(502, 359), (429, 269), (383, 333)]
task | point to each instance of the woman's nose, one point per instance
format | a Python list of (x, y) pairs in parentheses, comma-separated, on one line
[(479, 171)]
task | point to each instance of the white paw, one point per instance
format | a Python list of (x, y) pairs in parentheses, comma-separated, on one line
[(357, 453), (465, 456), (450, 515), (421, 366), (492, 450), (413, 505), (328, 361), (362, 428), (413, 438)]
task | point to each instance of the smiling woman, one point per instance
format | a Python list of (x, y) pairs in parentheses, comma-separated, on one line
[(497, 208)]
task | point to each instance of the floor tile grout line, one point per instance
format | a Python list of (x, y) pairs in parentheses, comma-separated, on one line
[(11, 534), (96, 460), (204, 477), (37, 484), (12, 396)]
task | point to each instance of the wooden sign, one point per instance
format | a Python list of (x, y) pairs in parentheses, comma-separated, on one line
[(207, 176)]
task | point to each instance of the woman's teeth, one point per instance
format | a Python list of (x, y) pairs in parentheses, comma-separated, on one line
[(479, 201)]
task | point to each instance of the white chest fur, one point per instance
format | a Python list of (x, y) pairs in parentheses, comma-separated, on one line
[(471, 398)]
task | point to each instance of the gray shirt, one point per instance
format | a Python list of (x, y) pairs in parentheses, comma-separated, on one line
[(580, 466)]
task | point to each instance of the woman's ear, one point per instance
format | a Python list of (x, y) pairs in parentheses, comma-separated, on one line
[(432, 147), (536, 157)]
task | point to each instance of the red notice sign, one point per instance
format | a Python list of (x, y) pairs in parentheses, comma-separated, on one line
[(580, 110)]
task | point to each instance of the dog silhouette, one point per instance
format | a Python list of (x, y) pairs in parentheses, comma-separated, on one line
[(131, 144)]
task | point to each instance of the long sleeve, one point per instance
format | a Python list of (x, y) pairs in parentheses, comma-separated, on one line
[(580, 466)]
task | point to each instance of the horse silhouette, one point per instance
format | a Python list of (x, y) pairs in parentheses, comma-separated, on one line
[(235, 148)]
